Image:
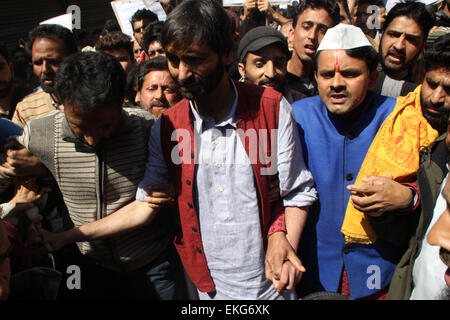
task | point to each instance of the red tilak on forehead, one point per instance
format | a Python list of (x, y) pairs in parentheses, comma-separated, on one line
[(336, 62)]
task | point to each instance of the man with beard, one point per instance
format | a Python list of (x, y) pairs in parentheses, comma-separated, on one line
[(419, 273), (49, 45), (156, 88), (221, 186), (367, 140), (312, 20), (9, 95), (263, 54), (404, 38)]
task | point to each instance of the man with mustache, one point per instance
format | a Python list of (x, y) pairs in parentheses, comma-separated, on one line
[(156, 88), (49, 45), (312, 20), (263, 54), (419, 274), (404, 37), (337, 128)]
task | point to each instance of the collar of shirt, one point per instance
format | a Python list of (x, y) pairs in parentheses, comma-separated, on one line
[(202, 123)]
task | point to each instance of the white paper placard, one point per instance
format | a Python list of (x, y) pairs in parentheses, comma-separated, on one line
[(124, 10), (233, 3), (64, 20)]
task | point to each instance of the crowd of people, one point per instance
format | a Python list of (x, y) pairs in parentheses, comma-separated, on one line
[(237, 153)]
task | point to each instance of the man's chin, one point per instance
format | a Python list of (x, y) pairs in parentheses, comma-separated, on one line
[(47, 87), (157, 111)]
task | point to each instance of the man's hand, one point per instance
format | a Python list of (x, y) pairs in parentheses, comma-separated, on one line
[(27, 191), (283, 267), (249, 7), (380, 194), (18, 161), (265, 7), (160, 196)]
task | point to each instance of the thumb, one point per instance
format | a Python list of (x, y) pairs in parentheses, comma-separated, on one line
[(296, 262)]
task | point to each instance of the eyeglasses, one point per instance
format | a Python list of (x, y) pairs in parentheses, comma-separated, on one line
[(138, 30)]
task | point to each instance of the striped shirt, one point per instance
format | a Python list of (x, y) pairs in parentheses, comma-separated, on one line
[(97, 182), (32, 106)]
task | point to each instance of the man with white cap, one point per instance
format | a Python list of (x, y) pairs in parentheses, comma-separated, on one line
[(354, 256)]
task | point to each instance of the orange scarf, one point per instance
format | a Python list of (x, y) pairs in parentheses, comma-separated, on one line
[(395, 151)]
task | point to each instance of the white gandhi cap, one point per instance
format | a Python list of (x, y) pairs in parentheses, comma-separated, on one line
[(343, 37)]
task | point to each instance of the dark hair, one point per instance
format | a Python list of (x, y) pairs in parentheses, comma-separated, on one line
[(378, 3), (143, 14), (344, 4), (151, 33), (90, 80), (438, 54), (53, 31), (4, 52), (110, 25), (366, 53), (329, 6), (158, 63), (115, 40), (414, 10), (196, 20)]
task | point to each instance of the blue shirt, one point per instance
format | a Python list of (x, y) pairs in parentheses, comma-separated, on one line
[(334, 149)]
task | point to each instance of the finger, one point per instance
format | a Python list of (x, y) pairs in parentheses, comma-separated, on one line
[(292, 277), (284, 279), (277, 267), (7, 169), (363, 188), (365, 202), (158, 194), (159, 201), (374, 209), (297, 263), (390, 176), (268, 270)]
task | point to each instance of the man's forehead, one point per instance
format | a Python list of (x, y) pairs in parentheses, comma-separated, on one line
[(44, 45), (187, 47), (332, 57), (313, 14), (154, 73), (400, 23), (440, 74)]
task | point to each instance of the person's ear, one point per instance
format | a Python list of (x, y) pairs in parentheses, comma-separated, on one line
[(373, 79), (241, 68)]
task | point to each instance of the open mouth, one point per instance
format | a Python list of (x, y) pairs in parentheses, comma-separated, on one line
[(394, 58), (338, 98), (310, 49), (433, 110)]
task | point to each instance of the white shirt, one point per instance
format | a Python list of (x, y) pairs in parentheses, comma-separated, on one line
[(428, 270)]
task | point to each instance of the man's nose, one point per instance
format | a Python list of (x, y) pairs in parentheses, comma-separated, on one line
[(269, 69)]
